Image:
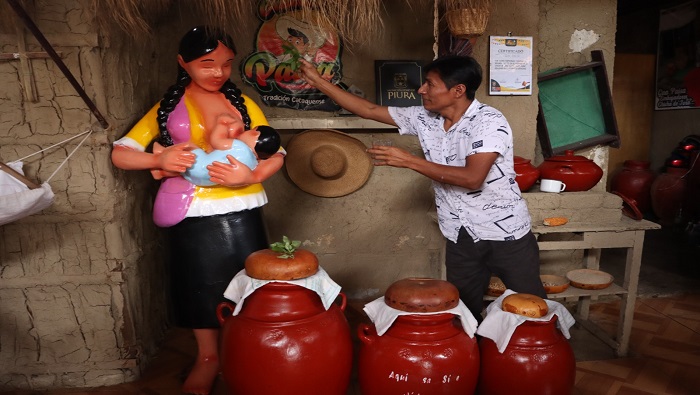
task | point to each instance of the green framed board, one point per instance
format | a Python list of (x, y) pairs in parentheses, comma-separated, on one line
[(575, 108)]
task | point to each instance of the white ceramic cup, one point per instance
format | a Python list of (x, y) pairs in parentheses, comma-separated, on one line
[(554, 186)]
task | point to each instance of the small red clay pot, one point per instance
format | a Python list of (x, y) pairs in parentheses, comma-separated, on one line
[(526, 174), (577, 172), (419, 353)]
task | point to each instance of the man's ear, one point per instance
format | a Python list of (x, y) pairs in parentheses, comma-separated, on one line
[(459, 90)]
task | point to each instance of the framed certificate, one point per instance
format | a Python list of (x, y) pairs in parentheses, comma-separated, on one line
[(510, 65)]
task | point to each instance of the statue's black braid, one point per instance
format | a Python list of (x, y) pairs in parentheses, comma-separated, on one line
[(167, 105), (234, 95)]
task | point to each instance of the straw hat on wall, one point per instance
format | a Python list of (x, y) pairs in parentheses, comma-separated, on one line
[(327, 163)]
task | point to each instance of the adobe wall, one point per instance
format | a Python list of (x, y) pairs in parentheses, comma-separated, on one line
[(82, 290), (81, 284)]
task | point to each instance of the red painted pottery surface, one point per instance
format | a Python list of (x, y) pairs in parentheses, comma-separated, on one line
[(634, 182), (667, 194), (283, 341), (577, 172), (419, 354), (537, 361), (526, 174)]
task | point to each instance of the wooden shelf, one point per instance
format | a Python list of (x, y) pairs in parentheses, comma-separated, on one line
[(627, 234), (340, 122)]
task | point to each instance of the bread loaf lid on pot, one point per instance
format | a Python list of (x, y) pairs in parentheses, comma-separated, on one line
[(422, 295), (282, 261), (266, 265), (525, 304)]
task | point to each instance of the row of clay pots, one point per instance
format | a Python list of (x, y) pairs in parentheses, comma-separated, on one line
[(577, 172), (284, 341), (639, 187)]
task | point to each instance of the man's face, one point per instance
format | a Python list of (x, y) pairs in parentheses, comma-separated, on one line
[(435, 94), (212, 70)]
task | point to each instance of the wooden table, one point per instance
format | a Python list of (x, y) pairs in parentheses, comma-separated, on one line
[(628, 234)]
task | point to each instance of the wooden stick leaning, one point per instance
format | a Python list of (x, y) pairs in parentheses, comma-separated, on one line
[(7, 169)]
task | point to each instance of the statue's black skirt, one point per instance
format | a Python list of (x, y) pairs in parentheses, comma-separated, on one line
[(205, 253)]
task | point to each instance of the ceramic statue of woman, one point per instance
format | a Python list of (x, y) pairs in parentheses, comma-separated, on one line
[(211, 229)]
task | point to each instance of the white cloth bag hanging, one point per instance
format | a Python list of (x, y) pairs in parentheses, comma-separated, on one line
[(17, 200)]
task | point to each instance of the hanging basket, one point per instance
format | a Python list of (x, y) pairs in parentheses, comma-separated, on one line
[(467, 22)]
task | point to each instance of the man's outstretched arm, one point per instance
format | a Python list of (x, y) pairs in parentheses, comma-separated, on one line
[(355, 104)]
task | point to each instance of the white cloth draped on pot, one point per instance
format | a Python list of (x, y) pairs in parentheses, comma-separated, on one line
[(242, 286), (500, 325), (383, 316)]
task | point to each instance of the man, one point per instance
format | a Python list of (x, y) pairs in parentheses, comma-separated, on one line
[(468, 149)]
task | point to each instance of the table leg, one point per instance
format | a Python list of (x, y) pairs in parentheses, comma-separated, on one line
[(592, 261), (632, 267)]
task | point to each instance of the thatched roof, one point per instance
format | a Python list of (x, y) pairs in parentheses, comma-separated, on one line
[(354, 20)]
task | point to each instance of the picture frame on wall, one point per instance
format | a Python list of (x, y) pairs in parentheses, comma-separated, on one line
[(576, 108), (397, 82), (510, 65), (678, 59)]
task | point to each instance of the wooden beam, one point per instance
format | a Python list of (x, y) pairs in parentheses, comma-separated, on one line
[(7, 169), (30, 92), (28, 55), (89, 40)]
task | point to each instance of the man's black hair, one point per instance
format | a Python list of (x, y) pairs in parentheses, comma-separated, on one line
[(455, 70)]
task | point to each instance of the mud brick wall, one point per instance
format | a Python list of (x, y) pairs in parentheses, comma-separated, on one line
[(81, 301)]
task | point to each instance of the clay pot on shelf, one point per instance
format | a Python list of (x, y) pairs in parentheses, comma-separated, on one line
[(419, 353), (284, 341), (526, 174), (537, 361), (667, 194), (634, 182), (577, 172)]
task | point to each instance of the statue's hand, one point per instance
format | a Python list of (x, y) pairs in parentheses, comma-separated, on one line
[(176, 158), (232, 174)]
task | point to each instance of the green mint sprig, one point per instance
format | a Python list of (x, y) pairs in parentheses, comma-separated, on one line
[(286, 247), (294, 62)]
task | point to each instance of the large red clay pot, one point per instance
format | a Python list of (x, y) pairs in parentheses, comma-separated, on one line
[(526, 174), (537, 361), (667, 194), (418, 354), (634, 181), (577, 172), (283, 341)]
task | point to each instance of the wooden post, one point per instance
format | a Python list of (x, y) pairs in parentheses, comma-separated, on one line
[(27, 72), (30, 92), (29, 23)]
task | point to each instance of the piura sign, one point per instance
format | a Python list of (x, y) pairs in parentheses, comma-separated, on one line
[(283, 39)]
